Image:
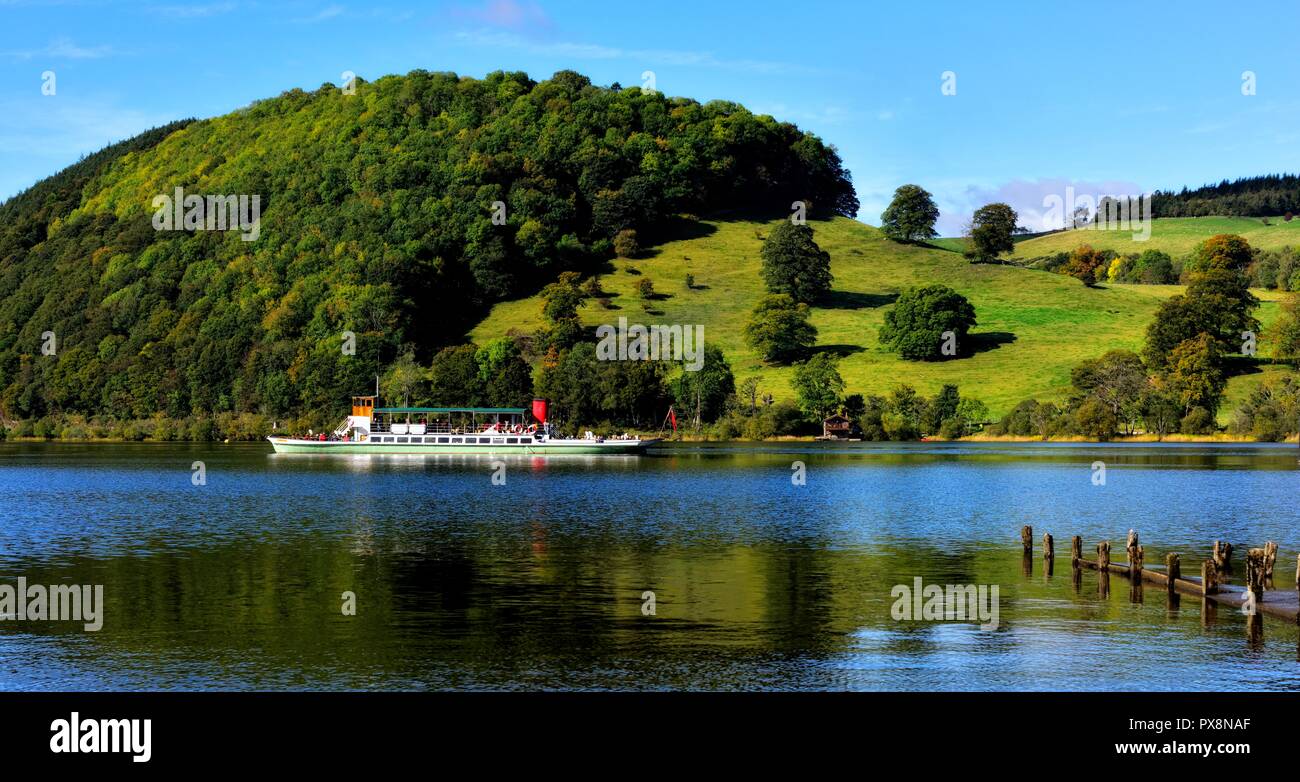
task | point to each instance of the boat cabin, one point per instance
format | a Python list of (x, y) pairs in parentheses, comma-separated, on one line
[(439, 425), (447, 420)]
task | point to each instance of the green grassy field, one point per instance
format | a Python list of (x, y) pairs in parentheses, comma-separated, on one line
[(1033, 326), (1174, 235)]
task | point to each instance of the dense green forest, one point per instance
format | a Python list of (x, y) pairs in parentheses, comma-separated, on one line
[(399, 213), (1259, 196)]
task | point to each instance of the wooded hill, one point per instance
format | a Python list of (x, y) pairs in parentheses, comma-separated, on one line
[(376, 218), (1259, 196)]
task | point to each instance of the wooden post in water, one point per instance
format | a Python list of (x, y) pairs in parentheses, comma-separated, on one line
[(1209, 577), (1174, 568), (1255, 573), (1103, 557), (1027, 539), (1134, 556), (1255, 585), (1049, 554), (1222, 556), (1270, 559), (1076, 554)]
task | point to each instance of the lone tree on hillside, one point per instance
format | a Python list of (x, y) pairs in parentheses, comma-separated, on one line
[(925, 321), (626, 244), (910, 217), (990, 234), (794, 264), (779, 329)]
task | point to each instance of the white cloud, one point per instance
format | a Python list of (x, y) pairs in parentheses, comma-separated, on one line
[(63, 48), (957, 202)]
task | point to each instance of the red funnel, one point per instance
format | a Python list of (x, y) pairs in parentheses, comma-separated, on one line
[(539, 410)]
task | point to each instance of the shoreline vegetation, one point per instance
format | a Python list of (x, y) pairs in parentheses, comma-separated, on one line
[(253, 428)]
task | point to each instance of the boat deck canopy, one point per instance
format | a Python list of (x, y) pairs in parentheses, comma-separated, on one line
[(488, 410)]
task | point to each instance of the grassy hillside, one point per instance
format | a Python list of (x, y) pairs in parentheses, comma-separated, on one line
[(1033, 326), (1174, 235)]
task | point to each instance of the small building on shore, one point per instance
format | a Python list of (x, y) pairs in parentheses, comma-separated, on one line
[(837, 427)]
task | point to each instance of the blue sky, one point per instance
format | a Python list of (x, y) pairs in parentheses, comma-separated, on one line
[(1105, 97)]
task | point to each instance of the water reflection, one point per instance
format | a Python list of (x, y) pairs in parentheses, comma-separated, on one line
[(539, 583)]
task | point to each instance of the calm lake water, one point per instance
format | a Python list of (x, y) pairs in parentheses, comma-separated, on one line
[(538, 584)]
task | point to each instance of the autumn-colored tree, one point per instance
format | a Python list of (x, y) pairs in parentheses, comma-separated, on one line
[(1221, 251), (1085, 264)]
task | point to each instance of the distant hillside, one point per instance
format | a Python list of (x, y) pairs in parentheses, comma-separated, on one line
[(1259, 196), (376, 217), (1176, 236), (1033, 326)]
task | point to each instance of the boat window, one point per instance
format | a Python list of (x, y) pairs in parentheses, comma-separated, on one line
[(455, 439), (526, 440), (498, 440), (512, 440), (442, 439), (485, 440), (403, 439)]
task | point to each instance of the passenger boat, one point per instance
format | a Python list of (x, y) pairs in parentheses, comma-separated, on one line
[(452, 430)]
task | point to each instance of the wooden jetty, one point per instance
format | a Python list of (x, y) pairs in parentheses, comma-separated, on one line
[(1211, 585)]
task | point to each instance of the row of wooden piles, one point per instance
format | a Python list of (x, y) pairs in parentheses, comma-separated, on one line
[(1256, 596)]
